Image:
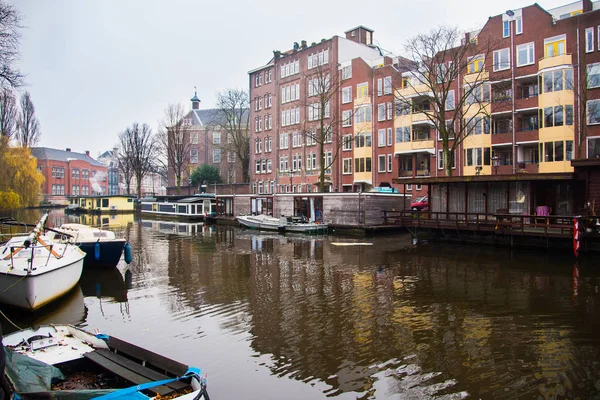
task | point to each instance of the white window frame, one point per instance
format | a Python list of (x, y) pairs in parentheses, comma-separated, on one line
[(347, 72), (381, 112), (389, 162), (347, 95), (530, 47), (381, 138), (347, 166), (518, 25), (450, 105), (387, 85), (506, 28), (379, 86), (381, 159), (216, 156), (591, 67), (596, 105), (589, 40), (347, 118), (347, 144), (216, 137), (497, 61), (194, 156)]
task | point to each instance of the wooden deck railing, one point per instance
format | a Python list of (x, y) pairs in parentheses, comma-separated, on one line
[(512, 224)]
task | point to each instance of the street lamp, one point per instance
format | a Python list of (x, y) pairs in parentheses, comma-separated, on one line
[(495, 163), (291, 174)]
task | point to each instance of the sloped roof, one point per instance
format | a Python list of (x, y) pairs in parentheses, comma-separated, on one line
[(46, 153), (210, 117)]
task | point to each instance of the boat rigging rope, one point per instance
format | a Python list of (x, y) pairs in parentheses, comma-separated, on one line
[(8, 319)]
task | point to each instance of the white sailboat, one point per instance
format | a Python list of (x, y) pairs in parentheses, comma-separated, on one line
[(35, 270)]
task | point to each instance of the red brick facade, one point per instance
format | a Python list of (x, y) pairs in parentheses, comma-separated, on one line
[(69, 173)]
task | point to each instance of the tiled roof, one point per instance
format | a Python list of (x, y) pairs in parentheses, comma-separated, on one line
[(46, 153), (210, 117)]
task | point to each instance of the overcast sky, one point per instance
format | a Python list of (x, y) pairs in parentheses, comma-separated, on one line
[(95, 67)]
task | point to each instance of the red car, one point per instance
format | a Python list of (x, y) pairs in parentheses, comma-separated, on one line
[(420, 204)]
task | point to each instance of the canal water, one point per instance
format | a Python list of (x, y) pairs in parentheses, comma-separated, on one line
[(269, 316)]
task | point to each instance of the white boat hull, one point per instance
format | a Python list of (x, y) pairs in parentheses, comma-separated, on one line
[(264, 222), (38, 289)]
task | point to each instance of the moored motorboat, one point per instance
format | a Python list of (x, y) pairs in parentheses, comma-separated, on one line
[(62, 360), (102, 246), (282, 224), (37, 270)]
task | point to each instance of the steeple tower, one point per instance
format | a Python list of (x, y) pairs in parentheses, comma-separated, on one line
[(195, 101)]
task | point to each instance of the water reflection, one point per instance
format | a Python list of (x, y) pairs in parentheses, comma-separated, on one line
[(308, 318), (69, 309)]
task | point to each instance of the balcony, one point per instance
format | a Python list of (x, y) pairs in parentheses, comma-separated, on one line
[(525, 103), (502, 138), (555, 61)]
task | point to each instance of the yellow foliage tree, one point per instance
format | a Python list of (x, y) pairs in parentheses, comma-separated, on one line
[(20, 180)]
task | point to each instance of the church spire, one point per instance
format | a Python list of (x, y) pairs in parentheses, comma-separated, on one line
[(195, 101)]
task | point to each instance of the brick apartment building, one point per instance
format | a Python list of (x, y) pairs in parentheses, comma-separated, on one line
[(536, 114), (285, 106), (68, 173), (207, 143)]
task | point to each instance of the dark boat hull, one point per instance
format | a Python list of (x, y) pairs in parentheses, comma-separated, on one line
[(109, 255)]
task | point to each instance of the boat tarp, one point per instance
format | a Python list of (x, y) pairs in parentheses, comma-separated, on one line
[(30, 376)]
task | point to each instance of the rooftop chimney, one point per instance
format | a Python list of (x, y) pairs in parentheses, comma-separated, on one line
[(68, 149), (303, 44), (87, 153)]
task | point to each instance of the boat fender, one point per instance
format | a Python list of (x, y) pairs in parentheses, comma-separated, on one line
[(97, 250), (128, 256)]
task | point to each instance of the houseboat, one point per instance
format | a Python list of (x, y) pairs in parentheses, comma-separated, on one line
[(195, 208), (101, 204)]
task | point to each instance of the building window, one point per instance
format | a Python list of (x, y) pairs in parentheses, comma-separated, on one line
[(555, 46), (362, 114), (593, 75), (346, 95), (450, 102), (347, 118), (403, 134), (390, 136), (389, 157), (387, 85), (194, 156), (381, 112), (505, 29), (347, 166), (475, 64), (593, 112), (347, 143), (362, 90), (381, 165), (362, 164), (525, 54), (216, 156), (217, 137), (381, 138), (501, 60), (408, 188), (518, 25), (347, 72), (589, 40), (379, 87), (194, 138)]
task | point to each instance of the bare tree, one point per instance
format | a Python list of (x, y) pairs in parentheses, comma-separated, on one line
[(436, 60), (28, 132), (233, 121), (138, 149), (9, 46), (8, 113), (174, 143)]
